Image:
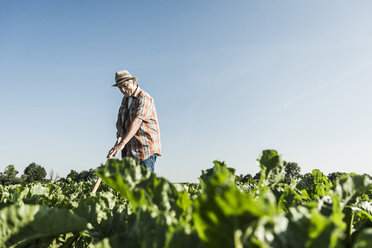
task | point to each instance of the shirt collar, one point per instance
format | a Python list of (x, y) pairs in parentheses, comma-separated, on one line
[(136, 93)]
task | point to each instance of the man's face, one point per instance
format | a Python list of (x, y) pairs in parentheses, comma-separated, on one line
[(127, 88)]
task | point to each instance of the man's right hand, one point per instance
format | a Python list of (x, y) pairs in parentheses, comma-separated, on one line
[(112, 153)]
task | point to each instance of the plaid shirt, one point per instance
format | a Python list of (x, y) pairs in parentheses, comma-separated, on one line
[(146, 141)]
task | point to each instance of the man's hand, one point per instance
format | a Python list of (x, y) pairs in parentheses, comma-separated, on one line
[(137, 122), (117, 148), (114, 151)]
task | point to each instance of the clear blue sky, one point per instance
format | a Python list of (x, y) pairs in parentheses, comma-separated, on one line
[(229, 79)]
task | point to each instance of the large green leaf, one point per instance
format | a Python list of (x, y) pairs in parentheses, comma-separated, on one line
[(153, 229), (217, 171), (223, 212), (291, 198), (161, 212), (358, 217), (141, 187), (107, 214), (272, 168), (316, 184), (20, 224), (364, 239), (12, 194), (307, 227), (350, 186)]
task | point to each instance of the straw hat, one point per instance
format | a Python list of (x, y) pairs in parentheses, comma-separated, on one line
[(122, 76)]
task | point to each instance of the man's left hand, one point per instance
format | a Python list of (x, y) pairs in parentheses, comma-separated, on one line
[(115, 150)]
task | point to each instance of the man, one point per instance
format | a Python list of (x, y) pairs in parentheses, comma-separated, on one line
[(137, 126)]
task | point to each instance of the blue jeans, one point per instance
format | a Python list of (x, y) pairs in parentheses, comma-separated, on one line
[(149, 163)]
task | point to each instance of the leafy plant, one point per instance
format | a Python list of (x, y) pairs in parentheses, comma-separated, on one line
[(135, 208)]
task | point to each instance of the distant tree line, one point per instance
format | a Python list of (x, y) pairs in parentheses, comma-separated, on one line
[(36, 173)]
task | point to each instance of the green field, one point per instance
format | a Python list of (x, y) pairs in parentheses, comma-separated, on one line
[(135, 208)]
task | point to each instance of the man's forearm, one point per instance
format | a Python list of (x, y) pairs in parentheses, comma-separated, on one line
[(132, 130)]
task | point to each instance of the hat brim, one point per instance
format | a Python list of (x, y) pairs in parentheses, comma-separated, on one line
[(121, 81)]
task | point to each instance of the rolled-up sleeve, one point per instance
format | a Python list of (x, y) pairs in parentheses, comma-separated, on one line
[(143, 108)]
